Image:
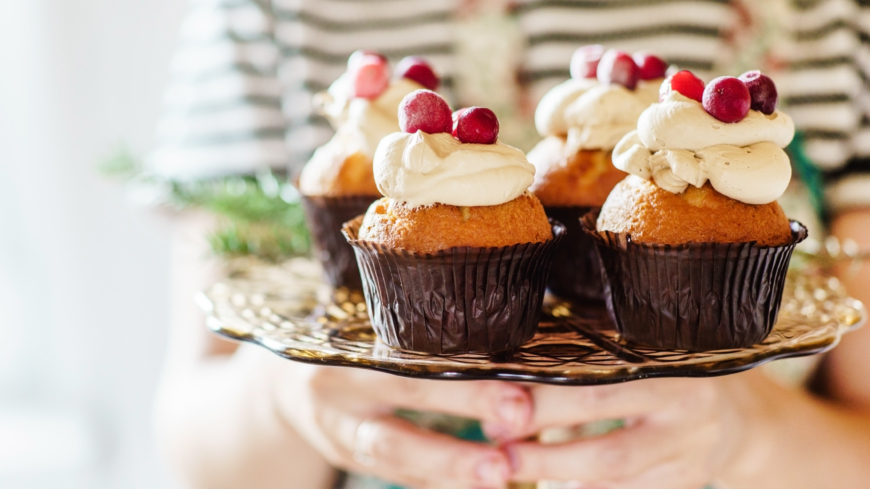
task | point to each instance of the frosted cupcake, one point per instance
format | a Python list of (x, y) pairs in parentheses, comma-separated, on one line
[(694, 245), (338, 184), (581, 121), (455, 257)]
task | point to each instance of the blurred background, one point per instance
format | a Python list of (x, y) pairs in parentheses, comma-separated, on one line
[(83, 274)]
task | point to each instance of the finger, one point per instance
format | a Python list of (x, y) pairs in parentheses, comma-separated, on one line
[(670, 475), (507, 404), (613, 457), (391, 446), (570, 406)]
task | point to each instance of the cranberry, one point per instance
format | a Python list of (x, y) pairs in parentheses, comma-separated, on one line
[(370, 76), (424, 110), (618, 67), (584, 62), (762, 90), (650, 66), (417, 69), (477, 125), (456, 115), (727, 99), (358, 56), (684, 82)]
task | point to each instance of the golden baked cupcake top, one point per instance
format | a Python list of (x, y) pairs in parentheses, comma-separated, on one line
[(449, 182), (706, 165), (731, 135)]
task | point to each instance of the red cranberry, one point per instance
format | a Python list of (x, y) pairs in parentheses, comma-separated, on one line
[(370, 76), (684, 82), (762, 90), (417, 69), (618, 67), (477, 125), (424, 110), (456, 115), (727, 99), (358, 56), (650, 66), (584, 62)]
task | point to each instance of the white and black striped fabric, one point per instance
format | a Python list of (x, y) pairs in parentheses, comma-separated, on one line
[(240, 97), (689, 34)]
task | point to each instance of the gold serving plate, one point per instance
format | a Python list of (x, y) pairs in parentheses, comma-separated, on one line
[(288, 309)]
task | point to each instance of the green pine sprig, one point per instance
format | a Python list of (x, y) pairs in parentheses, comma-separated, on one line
[(258, 215)]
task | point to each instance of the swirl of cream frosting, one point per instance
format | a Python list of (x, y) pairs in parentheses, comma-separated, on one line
[(677, 143), (361, 123), (424, 169), (591, 115)]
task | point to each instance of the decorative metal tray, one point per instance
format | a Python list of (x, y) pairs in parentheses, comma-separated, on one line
[(288, 309)]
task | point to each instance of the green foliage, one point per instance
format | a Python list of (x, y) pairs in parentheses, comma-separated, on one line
[(259, 215), (262, 216), (119, 163)]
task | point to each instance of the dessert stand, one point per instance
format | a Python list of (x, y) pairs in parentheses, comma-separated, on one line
[(288, 310)]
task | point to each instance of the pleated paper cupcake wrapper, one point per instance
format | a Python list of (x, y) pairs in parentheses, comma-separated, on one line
[(697, 296), (325, 217), (461, 300), (576, 272)]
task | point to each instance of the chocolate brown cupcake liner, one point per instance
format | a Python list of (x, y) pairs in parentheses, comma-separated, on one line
[(576, 272), (460, 300), (325, 217), (697, 296)]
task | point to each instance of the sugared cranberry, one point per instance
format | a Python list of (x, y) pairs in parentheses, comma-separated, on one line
[(618, 67), (456, 114), (584, 62), (650, 66), (684, 82), (727, 99), (762, 90), (359, 54), (369, 76), (477, 125), (417, 69), (424, 110)]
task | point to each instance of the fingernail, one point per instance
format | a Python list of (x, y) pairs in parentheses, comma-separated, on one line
[(512, 457), (512, 411), (494, 431), (493, 471)]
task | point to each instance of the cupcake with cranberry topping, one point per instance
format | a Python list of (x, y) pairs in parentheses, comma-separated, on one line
[(455, 257), (338, 184), (581, 121), (693, 243)]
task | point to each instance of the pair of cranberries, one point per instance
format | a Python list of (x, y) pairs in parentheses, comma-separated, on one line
[(726, 98), (370, 73), (614, 66), (425, 110)]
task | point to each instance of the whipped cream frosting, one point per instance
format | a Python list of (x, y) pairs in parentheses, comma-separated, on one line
[(361, 123), (424, 169), (592, 115), (677, 143)]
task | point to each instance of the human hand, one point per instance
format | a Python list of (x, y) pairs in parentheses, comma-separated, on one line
[(678, 434), (347, 415)]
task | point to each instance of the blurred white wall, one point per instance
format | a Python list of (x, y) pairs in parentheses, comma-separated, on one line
[(83, 275)]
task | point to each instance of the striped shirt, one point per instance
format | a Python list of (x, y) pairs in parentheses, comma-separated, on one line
[(240, 96)]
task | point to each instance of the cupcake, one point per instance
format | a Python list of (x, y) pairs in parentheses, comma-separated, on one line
[(337, 184), (693, 243), (581, 121), (455, 257)]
